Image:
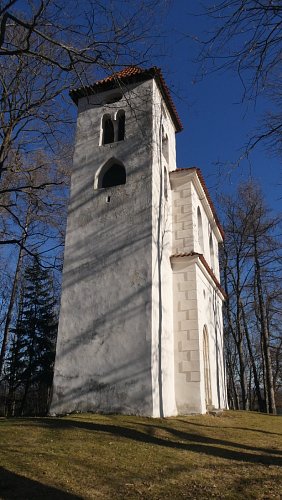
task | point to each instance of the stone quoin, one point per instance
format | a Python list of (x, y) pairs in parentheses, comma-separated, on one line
[(140, 328)]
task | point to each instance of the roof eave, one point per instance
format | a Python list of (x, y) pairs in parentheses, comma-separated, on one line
[(195, 257), (145, 75)]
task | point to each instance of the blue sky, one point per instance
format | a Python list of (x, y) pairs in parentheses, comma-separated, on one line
[(216, 123)]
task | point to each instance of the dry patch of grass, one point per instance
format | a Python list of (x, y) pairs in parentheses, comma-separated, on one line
[(235, 456)]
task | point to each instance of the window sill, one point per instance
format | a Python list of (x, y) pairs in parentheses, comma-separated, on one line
[(112, 144)]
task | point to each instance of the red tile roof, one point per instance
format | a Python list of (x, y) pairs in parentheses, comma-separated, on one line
[(119, 75), (204, 186), (128, 75), (206, 266)]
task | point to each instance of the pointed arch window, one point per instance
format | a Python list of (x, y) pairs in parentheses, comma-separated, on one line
[(112, 174)]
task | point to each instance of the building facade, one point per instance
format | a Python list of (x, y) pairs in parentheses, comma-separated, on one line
[(140, 329)]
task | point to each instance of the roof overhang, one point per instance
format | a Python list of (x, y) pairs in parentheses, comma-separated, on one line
[(130, 75)]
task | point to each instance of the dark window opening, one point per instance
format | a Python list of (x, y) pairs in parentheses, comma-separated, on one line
[(211, 252), (114, 176), (165, 145), (200, 229), (108, 131), (121, 127)]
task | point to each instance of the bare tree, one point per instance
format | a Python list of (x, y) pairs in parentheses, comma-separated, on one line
[(37, 219), (252, 269), (246, 36), (44, 50), (233, 258), (71, 36)]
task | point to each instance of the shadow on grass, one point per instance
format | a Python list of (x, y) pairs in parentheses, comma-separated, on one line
[(13, 486), (185, 441), (248, 429)]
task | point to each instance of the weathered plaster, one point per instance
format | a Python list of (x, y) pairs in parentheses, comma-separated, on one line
[(131, 323)]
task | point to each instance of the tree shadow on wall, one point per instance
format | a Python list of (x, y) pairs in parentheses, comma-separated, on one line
[(14, 486)]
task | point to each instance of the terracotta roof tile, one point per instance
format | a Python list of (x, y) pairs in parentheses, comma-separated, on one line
[(186, 254), (128, 75), (204, 186), (119, 75)]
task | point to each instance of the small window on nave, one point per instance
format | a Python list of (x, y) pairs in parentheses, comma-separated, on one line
[(165, 149), (211, 251), (200, 230)]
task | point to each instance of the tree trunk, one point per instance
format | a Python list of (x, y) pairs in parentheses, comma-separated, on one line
[(264, 334), (261, 402), (242, 374), (13, 296), (236, 332)]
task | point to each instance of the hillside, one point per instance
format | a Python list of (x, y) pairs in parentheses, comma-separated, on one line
[(235, 456)]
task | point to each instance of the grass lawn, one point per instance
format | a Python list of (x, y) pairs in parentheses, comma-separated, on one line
[(235, 456)]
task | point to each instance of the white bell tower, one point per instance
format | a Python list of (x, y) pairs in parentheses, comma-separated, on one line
[(116, 307), (121, 340)]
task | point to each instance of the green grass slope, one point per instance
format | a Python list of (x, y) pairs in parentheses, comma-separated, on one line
[(235, 456)]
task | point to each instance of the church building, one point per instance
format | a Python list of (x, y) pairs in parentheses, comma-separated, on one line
[(140, 328)]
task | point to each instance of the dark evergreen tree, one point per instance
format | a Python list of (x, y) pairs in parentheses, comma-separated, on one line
[(31, 360)]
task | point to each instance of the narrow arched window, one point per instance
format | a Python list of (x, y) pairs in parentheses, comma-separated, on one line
[(121, 125), (165, 146), (207, 370), (108, 130), (200, 229), (113, 176), (211, 251)]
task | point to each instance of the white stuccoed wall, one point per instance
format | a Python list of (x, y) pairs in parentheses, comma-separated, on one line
[(162, 290), (103, 360), (132, 316), (197, 299), (210, 314), (186, 338)]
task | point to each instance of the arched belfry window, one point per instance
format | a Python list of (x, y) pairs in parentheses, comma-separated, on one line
[(112, 174), (120, 125), (200, 229), (108, 130)]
